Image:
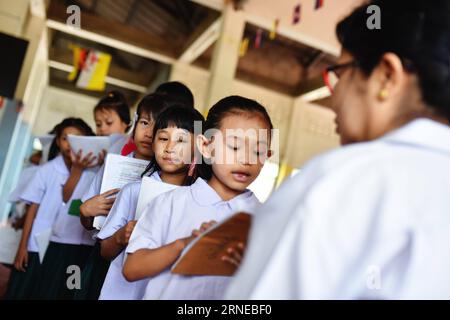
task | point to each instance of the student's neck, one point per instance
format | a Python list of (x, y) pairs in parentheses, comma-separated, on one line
[(222, 190), (176, 179), (139, 156)]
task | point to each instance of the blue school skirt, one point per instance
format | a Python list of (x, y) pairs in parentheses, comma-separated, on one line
[(93, 275), (61, 271), (21, 285)]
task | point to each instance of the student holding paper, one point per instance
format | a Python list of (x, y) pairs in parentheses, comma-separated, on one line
[(45, 194), (172, 165), (96, 268), (112, 115), (236, 143)]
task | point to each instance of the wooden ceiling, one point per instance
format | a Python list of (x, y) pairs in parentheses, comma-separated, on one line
[(168, 28)]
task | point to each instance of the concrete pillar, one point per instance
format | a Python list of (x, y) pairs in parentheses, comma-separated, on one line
[(226, 55)]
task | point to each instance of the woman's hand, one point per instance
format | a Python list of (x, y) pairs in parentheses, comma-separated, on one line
[(234, 254), (21, 260), (99, 205), (80, 163), (124, 234)]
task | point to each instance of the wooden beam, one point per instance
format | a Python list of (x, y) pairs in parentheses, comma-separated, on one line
[(203, 37), (114, 35)]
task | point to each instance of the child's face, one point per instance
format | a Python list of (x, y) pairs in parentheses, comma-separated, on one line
[(108, 122), (63, 142), (239, 150), (174, 149), (143, 137)]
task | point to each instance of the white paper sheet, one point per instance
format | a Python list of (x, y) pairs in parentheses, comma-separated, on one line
[(43, 239), (150, 189), (46, 139), (89, 144), (119, 171), (9, 243)]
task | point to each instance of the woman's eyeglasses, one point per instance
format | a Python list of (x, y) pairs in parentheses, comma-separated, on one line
[(332, 74)]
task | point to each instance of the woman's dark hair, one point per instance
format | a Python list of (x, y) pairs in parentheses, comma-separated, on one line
[(115, 101), (235, 105), (54, 150), (151, 105), (183, 118), (418, 31), (177, 93), (76, 123)]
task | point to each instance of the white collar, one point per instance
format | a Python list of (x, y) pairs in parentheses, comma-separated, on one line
[(204, 195), (424, 133)]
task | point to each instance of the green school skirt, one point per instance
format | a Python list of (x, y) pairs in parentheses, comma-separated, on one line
[(61, 271), (93, 275), (22, 284)]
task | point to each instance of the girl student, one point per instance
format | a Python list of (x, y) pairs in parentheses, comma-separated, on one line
[(96, 268), (112, 118), (45, 194), (383, 231), (69, 243), (173, 163), (165, 228)]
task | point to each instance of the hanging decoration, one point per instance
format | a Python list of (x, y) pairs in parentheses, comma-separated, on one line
[(90, 69), (258, 38), (319, 4), (297, 15), (244, 47), (273, 32)]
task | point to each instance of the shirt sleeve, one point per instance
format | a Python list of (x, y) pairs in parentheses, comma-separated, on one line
[(152, 225), (121, 212), (34, 192)]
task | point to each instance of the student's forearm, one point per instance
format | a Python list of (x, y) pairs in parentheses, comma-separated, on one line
[(111, 247), (146, 263), (28, 225), (87, 222), (71, 183)]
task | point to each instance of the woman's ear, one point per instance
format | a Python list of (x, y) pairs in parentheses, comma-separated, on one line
[(390, 76), (203, 146)]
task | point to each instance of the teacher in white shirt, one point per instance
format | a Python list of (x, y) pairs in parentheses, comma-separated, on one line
[(372, 219)]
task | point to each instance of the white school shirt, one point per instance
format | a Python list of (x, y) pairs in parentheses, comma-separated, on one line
[(174, 215), (25, 177), (115, 286), (368, 221), (45, 189), (67, 228)]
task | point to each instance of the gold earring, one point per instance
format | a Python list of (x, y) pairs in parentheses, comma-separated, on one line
[(384, 93)]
